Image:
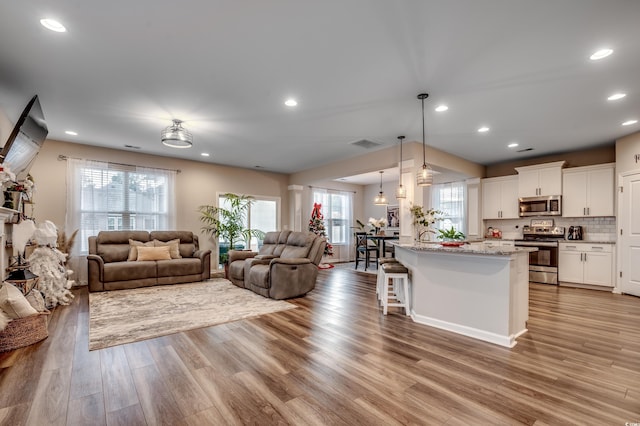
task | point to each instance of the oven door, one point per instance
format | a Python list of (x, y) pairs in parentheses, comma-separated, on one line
[(547, 255), (543, 264)]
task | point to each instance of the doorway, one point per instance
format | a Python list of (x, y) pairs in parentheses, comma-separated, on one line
[(629, 238)]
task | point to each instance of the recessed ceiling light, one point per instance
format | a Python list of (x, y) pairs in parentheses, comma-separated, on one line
[(602, 53), (512, 145), (53, 25), (483, 129), (71, 132), (616, 96), (629, 122), (441, 108), (205, 154), (291, 102)]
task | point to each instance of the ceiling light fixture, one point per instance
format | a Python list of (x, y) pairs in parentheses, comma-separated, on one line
[(602, 53), (629, 122), (616, 96), (291, 102), (381, 199), (512, 145), (53, 25), (483, 129), (425, 174), (71, 132), (401, 191), (176, 136), (441, 108), (205, 154)]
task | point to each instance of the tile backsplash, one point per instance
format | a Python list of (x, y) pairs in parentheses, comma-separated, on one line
[(593, 228)]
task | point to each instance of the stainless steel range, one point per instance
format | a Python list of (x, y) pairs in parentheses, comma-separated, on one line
[(544, 235)]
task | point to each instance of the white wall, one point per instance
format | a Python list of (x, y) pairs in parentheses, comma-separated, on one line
[(628, 153), (197, 184)]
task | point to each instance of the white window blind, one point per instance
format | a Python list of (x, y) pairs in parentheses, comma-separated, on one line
[(105, 196)]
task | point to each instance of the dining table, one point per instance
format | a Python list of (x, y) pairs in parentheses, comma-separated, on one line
[(380, 240)]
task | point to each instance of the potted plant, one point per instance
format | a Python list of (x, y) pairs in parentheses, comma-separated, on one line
[(451, 236), (228, 225), (423, 220)]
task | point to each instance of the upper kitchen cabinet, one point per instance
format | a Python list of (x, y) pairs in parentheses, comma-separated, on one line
[(500, 198), (588, 191), (540, 179)]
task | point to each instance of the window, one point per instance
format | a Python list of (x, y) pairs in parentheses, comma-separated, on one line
[(337, 212), (106, 196), (449, 198), (263, 215)]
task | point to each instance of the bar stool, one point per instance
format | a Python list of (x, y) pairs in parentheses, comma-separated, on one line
[(398, 290), (379, 281)]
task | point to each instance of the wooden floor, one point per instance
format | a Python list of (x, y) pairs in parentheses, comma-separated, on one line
[(337, 360)]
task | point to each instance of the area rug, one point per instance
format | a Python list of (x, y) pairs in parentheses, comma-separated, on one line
[(125, 316)]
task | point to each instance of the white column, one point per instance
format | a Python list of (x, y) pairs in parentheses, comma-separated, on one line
[(295, 207)]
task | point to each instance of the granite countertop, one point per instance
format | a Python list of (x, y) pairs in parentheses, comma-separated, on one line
[(467, 249)]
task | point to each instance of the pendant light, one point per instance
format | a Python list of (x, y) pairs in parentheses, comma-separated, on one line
[(381, 199), (425, 174), (176, 136), (401, 191)]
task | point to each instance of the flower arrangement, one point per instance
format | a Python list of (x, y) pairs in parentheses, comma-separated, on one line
[(423, 220), (378, 223), (26, 186)]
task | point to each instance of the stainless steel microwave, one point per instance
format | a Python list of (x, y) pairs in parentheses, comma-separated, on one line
[(550, 205)]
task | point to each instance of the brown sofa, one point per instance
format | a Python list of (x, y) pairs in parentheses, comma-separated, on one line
[(286, 265), (109, 269)]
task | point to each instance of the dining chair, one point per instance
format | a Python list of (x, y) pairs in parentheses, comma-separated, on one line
[(364, 248)]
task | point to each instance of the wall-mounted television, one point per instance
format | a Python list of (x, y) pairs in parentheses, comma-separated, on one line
[(25, 140)]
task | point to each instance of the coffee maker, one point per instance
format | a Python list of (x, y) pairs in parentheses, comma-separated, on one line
[(575, 233)]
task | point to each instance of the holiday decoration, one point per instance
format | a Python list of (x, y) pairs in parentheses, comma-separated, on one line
[(48, 263), (316, 225)]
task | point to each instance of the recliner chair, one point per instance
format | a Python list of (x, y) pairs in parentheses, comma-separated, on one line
[(286, 265)]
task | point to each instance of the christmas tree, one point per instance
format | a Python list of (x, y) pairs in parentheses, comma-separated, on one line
[(316, 225)]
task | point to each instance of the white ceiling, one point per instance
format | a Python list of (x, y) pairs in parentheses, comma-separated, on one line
[(124, 69)]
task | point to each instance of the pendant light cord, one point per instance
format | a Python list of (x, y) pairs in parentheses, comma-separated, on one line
[(424, 146)]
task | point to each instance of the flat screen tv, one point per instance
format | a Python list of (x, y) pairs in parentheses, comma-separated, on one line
[(25, 140)]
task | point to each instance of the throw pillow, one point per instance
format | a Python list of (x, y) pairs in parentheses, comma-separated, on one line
[(4, 320), (154, 253), (13, 302), (133, 248), (35, 299), (174, 247)]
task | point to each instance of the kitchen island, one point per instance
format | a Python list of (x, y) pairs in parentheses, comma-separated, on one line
[(472, 290)]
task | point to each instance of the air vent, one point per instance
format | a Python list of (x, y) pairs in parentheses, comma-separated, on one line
[(366, 144), (132, 146), (525, 150)]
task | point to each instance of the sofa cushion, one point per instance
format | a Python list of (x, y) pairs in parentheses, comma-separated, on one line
[(259, 276), (121, 237), (188, 240), (128, 271), (269, 243), (153, 253), (133, 248), (298, 245), (174, 247), (178, 267)]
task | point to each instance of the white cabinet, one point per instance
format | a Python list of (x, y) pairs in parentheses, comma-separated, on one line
[(586, 263), (588, 191), (500, 198), (541, 179)]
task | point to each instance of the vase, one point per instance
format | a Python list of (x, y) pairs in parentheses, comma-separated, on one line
[(376, 231)]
